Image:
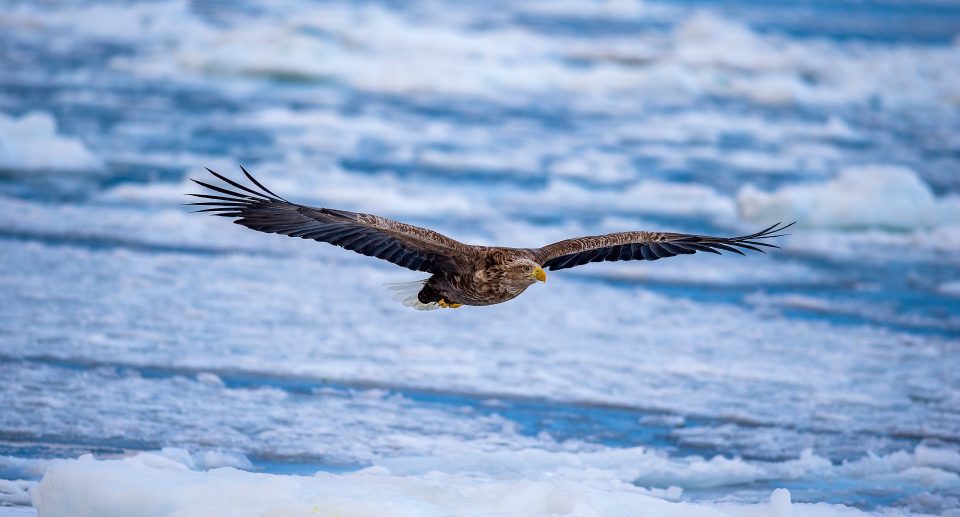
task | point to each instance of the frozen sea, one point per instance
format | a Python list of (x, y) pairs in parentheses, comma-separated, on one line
[(183, 352)]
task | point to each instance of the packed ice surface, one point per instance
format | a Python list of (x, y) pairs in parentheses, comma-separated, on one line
[(230, 367)]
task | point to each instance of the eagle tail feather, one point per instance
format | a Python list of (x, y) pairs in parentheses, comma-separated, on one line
[(406, 293)]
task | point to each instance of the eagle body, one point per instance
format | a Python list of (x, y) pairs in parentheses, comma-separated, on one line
[(461, 274), (498, 275)]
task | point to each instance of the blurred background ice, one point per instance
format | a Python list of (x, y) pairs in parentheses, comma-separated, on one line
[(831, 368)]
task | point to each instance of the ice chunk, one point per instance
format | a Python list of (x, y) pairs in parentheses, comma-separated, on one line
[(780, 503), (210, 379), (31, 143), (951, 288), (861, 197), (14, 492)]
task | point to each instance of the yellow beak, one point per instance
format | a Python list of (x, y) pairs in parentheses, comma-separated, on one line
[(540, 274)]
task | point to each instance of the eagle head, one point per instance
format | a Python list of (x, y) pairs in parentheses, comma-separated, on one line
[(525, 272)]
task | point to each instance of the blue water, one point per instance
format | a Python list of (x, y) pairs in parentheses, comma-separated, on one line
[(129, 325)]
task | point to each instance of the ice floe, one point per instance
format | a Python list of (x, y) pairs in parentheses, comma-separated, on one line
[(509, 483), (150, 486)]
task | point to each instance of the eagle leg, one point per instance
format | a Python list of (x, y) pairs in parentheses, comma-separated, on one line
[(430, 295)]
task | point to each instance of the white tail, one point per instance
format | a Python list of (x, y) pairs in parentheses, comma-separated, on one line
[(406, 293)]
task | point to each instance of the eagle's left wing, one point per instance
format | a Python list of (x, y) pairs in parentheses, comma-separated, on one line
[(646, 246)]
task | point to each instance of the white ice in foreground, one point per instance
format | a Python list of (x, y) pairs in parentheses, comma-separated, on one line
[(154, 485), (31, 143)]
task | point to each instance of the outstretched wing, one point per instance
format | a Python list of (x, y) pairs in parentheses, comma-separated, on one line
[(646, 246), (405, 245)]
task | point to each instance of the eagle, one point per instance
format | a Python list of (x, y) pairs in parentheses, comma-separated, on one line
[(461, 274)]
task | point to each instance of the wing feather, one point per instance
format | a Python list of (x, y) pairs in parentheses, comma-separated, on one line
[(406, 245), (647, 246)]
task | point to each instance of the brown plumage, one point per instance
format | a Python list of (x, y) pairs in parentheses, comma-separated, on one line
[(462, 274)]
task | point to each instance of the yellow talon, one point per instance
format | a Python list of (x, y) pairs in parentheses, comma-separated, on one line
[(443, 303), (455, 305)]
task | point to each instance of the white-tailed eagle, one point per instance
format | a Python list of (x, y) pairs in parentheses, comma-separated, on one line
[(461, 274)]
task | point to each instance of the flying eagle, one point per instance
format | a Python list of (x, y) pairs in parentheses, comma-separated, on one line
[(461, 274)]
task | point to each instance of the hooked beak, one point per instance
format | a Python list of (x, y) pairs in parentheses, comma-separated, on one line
[(539, 274)]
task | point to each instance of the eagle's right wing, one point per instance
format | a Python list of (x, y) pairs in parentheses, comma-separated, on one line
[(646, 246), (405, 245)]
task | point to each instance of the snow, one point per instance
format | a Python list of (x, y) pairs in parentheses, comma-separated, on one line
[(32, 143)]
